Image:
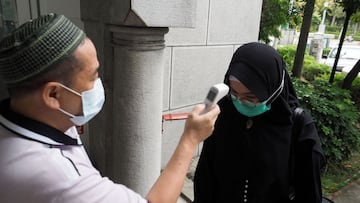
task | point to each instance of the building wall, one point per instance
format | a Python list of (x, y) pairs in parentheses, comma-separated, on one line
[(196, 58)]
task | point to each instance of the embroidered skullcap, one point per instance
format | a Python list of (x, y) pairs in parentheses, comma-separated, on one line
[(36, 45)]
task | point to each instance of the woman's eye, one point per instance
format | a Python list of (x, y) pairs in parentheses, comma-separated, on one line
[(251, 99)]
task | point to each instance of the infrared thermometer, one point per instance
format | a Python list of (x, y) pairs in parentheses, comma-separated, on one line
[(215, 93)]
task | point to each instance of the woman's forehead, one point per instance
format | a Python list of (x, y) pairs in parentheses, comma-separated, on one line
[(239, 87)]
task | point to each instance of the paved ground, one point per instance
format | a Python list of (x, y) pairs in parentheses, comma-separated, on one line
[(349, 194)]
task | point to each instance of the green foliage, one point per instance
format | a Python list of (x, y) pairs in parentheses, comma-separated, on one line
[(333, 29), (295, 16), (355, 18), (336, 30), (336, 178), (336, 113), (326, 51), (350, 6), (311, 69), (288, 54), (355, 91), (336, 117), (356, 37), (294, 21), (333, 108), (315, 21), (274, 14)]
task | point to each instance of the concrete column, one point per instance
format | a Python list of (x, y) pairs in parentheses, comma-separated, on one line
[(125, 138), (317, 46), (138, 66)]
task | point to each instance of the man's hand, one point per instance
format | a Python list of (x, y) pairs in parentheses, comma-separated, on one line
[(199, 126)]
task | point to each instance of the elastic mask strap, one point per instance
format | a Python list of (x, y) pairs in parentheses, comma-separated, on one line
[(277, 92), (71, 90), (67, 113)]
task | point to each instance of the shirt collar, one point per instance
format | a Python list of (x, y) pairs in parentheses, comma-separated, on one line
[(32, 129)]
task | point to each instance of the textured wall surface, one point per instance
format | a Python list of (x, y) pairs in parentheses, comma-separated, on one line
[(198, 57)]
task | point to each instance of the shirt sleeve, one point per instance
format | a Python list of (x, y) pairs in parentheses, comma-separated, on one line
[(97, 189)]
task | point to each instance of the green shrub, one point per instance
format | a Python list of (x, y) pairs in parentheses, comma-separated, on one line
[(312, 69), (336, 117), (355, 86), (333, 108), (336, 29), (326, 51), (355, 92), (356, 38), (288, 54)]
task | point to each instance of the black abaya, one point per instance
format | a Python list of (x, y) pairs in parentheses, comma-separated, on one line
[(247, 159)]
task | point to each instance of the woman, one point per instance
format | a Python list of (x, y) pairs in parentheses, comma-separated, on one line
[(250, 157)]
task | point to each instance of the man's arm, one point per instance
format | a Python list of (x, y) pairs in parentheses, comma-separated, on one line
[(198, 127)]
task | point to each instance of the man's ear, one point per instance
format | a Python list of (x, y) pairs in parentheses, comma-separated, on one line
[(51, 94)]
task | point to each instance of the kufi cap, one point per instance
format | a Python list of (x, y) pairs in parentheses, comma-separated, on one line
[(36, 45)]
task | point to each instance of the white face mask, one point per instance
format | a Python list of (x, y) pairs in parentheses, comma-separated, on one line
[(92, 102)]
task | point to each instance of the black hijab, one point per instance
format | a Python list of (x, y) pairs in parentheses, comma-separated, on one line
[(260, 68), (250, 152)]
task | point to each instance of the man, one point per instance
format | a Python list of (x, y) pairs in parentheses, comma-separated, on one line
[(51, 70)]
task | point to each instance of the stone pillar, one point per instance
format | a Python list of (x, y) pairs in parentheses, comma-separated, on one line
[(125, 138), (317, 46), (137, 105)]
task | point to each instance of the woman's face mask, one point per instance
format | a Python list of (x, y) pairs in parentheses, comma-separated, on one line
[(252, 109), (92, 102), (249, 109)]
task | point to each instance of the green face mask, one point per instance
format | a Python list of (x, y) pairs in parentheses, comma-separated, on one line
[(248, 108), (251, 109)]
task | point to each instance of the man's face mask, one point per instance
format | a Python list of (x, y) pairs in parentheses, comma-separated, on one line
[(251, 109), (92, 102)]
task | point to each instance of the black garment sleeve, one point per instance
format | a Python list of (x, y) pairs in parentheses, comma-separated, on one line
[(203, 180), (308, 163)]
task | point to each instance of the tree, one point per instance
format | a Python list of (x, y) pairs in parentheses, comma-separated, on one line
[(335, 11), (351, 76), (296, 13), (350, 7), (355, 18), (304, 33), (274, 14)]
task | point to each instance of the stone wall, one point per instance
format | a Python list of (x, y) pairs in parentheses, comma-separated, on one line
[(198, 57)]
